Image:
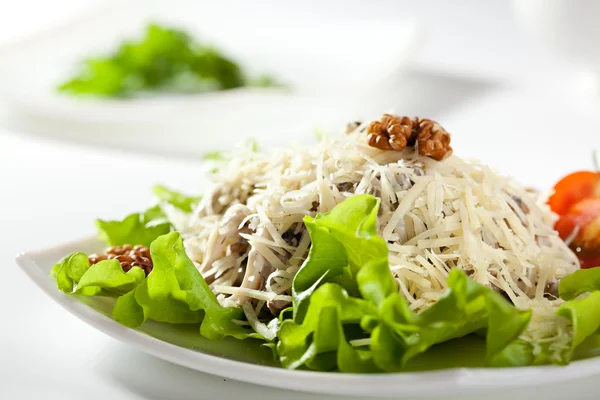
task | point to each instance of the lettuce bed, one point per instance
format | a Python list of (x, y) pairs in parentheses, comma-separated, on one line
[(347, 313)]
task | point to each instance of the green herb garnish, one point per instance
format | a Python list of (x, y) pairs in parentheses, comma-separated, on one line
[(164, 59)]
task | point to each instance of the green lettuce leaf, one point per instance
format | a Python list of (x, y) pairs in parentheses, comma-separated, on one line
[(175, 292), (137, 228), (584, 314), (353, 223), (326, 261), (332, 349), (127, 311), (397, 334), (517, 354), (75, 275), (181, 201), (294, 348), (467, 307), (107, 278), (69, 270), (579, 282), (504, 326), (344, 241), (345, 244), (582, 311)]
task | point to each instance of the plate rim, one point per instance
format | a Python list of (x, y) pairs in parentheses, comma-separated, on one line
[(454, 380)]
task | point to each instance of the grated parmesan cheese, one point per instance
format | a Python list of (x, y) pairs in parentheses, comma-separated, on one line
[(248, 240)]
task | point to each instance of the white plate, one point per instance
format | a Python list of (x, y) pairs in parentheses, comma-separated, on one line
[(329, 64), (238, 359)]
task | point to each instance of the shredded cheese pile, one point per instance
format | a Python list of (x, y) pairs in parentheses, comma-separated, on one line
[(248, 240)]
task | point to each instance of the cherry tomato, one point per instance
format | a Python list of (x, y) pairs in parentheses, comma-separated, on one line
[(581, 224), (578, 218), (573, 188)]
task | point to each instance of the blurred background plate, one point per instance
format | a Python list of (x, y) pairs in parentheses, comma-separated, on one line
[(330, 75)]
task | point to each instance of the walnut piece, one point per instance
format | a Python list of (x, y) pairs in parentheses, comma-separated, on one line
[(433, 140), (129, 257), (392, 132)]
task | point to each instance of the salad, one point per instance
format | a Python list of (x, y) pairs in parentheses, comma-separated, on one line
[(164, 59), (358, 254)]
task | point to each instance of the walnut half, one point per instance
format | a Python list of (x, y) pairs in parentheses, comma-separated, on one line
[(393, 132), (433, 140)]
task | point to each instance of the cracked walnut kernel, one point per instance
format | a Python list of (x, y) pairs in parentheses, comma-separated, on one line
[(128, 257), (392, 132), (433, 140)]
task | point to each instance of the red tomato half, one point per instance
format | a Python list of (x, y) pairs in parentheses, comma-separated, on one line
[(573, 188), (578, 217), (583, 221)]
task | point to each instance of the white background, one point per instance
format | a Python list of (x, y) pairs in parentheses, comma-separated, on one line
[(478, 70)]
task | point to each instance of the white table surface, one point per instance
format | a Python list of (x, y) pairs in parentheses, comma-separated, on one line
[(50, 192)]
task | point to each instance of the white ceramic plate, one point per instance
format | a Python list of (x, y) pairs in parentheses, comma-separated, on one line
[(245, 361), (329, 64)]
